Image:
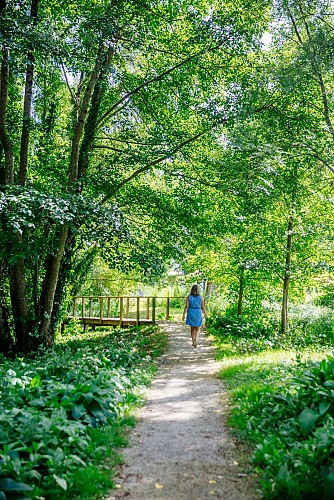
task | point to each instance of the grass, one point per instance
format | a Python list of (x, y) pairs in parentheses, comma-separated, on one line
[(94, 481)]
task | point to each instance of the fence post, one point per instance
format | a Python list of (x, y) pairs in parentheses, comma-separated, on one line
[(138, 311), (82, 307), (148, 308), (90, 307), (108, 308), (101, 309), (120, 311), (167, 309), (153, 309), (127, 306), (75, 307)]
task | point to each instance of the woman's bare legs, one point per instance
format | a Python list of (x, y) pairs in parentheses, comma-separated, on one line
[(196, 334), (192, 333)]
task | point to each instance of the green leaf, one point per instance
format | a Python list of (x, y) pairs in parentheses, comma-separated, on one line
[(60, 481), (307, 419), (100, 415), (78, 411), (324, 407), (36, 381), (37, 402), (7, 484)]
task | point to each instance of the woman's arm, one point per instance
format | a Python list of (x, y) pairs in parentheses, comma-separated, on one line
[(203, 307), (185, 310)]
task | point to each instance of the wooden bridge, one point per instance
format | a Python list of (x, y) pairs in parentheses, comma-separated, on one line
[(124, 310)]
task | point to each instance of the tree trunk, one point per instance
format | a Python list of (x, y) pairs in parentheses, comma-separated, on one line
[(8, 174), (286, 279), (25, 134), (19, 306), (89, 118), (90, 127), (80, 124), (46, 337), (6, 342)]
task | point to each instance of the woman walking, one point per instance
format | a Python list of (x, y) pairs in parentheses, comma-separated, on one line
[(195, 311)]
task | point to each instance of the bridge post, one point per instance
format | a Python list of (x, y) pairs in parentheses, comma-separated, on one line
[(167, 309), (148, 308), (74, 307), (138, 312), (101, 308), (82, 308), (153, 309), (127, 306), (120, 311)]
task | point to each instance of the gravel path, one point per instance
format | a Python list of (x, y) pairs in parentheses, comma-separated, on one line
[(180, 449)]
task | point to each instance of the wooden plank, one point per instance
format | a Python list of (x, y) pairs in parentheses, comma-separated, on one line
[(90, 307), (75, 307), (83, 307), (108, 308), (112, 322), (127, 306)]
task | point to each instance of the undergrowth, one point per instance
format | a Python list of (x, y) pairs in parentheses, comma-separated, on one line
[(238, 335), (61, 412), (283, 404)]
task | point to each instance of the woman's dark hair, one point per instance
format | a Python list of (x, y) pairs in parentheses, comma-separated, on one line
[(194, 290)]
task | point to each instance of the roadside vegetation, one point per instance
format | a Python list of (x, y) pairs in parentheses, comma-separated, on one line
[(281, 391), (63, 412)]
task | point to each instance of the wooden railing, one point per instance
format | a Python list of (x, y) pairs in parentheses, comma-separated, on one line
[(121, 310)]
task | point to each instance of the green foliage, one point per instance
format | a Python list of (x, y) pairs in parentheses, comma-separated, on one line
[(311, 330), (285, 409), (297, 453), (52, 406)]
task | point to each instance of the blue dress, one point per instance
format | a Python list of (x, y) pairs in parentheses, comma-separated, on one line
[(194, 313)]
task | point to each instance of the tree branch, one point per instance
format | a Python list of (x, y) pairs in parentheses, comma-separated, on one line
[(68, 84), (152, 164), (101, 146), (152, 80)]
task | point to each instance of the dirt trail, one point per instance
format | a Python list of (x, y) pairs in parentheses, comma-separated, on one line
[(180, 449)]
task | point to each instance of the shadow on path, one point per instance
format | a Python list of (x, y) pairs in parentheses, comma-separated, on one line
[(181, 449)]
